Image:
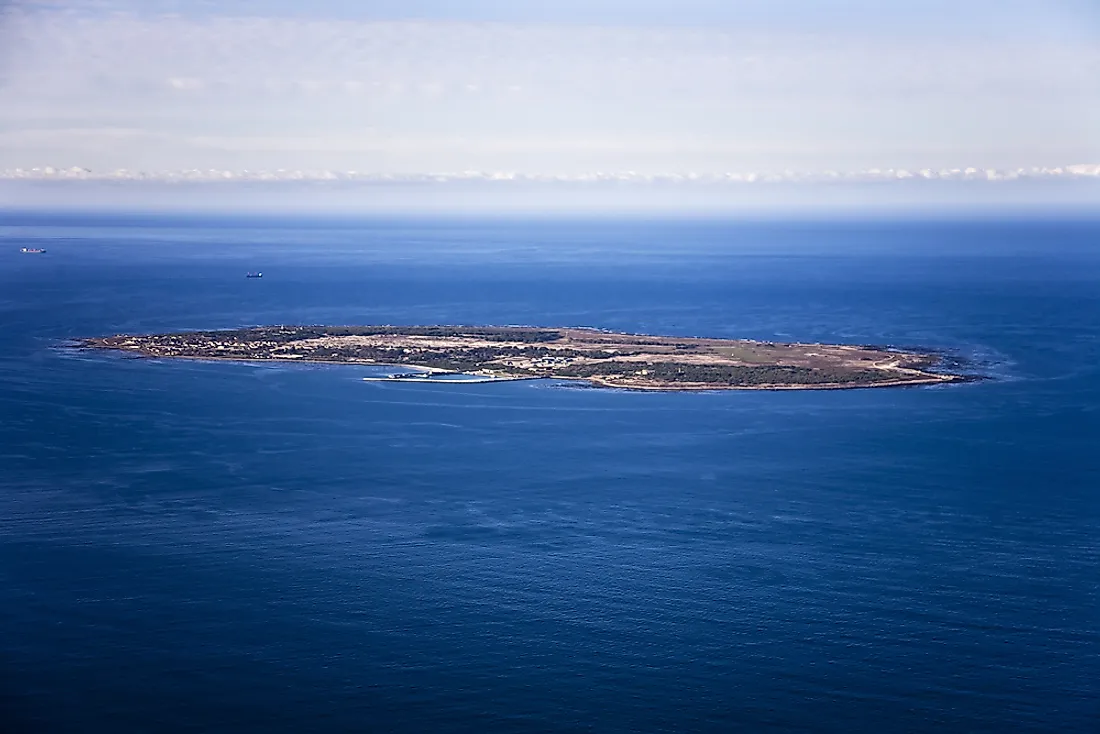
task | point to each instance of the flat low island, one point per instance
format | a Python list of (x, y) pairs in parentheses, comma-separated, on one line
[(486, 353)]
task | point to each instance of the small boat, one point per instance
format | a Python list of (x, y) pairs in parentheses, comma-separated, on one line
[(32, 250), (254, 275)]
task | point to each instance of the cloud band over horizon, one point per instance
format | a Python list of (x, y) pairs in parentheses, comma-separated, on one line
[(244, 86)]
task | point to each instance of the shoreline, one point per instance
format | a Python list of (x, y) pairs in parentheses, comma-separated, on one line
[(595, 382)]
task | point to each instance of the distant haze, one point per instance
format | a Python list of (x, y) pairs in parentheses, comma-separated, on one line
[(569, 89)]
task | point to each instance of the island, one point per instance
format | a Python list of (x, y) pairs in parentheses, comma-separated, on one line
[(598, 357)]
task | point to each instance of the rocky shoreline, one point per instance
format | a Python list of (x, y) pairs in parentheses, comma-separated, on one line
[(605, 359)]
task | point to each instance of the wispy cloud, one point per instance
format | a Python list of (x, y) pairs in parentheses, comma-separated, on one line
[(1081, 171), (105, 90)]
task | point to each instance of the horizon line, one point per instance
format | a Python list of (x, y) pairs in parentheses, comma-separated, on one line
[(291, 175)]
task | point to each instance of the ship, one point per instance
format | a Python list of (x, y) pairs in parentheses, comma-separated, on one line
[(254, 275), (32, 250)]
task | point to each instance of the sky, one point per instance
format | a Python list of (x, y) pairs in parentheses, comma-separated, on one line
[(566, 88)]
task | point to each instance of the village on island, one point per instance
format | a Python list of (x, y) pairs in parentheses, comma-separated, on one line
[(499, 353)]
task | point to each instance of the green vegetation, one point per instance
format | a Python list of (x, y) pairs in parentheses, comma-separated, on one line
[(725, 374)]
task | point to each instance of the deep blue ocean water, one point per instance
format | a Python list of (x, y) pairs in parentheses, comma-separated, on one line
[(197, 547)]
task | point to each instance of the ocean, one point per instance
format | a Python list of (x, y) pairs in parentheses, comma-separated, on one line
[(196, 547)]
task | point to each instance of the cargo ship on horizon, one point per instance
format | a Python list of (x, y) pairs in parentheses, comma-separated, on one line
[(32, 250)]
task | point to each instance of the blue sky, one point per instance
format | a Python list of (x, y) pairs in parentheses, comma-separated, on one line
[(905, 16), (550, 88)]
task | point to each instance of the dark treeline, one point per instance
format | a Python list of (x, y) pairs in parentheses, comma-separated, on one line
[(282, 334), (727, 374)]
